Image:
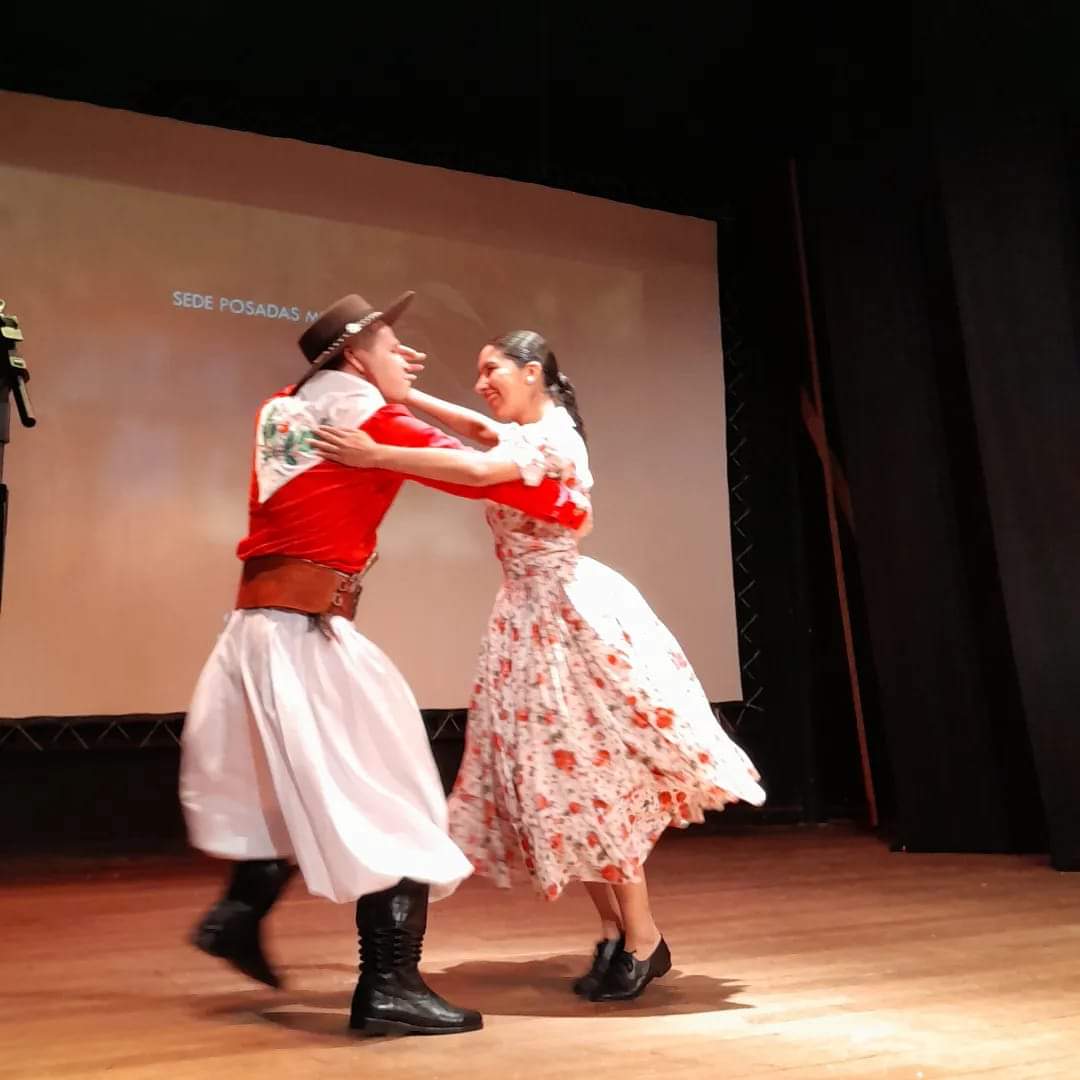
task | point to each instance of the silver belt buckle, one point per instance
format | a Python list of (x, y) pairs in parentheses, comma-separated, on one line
[(349, 585)]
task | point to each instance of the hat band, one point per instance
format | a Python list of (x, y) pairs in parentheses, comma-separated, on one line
[(351, 330)]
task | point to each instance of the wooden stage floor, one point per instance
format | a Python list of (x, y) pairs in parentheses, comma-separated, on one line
[(798, 954)]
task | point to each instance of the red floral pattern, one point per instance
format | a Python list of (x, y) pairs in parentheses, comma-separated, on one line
[(588, 732)]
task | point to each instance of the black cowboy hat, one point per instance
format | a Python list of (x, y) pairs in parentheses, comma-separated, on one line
[(324, 339)]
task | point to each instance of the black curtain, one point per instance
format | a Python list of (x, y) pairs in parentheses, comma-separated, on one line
[(945, 269), (899, 445), (1002, 147)]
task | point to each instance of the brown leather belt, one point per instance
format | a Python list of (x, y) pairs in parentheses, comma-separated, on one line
[(288, 584)]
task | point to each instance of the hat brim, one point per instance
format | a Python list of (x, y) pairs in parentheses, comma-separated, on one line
[(389, 316)]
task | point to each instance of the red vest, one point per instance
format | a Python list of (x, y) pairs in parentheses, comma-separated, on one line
[(330, 513)]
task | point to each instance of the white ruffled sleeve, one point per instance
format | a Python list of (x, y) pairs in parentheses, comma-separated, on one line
[(551, 447), (526, 453)]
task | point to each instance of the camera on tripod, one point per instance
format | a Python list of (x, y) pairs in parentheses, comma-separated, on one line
[(14, 376)]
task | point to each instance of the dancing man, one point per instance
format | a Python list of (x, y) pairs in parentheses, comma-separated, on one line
[(304, 744)]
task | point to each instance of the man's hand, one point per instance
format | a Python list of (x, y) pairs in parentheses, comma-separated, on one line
[(347, 446)]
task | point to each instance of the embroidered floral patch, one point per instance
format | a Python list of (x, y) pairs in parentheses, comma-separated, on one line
[(287, 437), (287, 425)]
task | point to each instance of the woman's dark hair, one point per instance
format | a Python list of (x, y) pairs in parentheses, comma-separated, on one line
[(529, 347)]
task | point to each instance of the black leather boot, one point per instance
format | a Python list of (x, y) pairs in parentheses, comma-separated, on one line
[(391, 998), (230, 929), (606, 951)]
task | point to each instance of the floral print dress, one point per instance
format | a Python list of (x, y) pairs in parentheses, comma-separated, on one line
[(588, 732)]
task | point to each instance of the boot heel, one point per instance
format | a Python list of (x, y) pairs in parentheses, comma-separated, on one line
[(382, 1027), (396, 1027), (664, 965)]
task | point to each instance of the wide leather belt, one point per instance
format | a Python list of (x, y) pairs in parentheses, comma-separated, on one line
[(289, 584)]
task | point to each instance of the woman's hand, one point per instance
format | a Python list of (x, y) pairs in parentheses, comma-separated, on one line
[(414, 361), (585, 527), (347, 446)]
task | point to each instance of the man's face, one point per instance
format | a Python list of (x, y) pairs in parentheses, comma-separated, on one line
[(377, 356)]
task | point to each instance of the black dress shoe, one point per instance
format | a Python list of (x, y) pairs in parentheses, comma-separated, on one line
[(231, 929), (391, 997), (628, 976), (606, 951)]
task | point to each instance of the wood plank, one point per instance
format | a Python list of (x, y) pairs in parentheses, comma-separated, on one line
[(798, 954)]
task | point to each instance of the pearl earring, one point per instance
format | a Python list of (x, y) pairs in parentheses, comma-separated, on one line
[(530, 379)]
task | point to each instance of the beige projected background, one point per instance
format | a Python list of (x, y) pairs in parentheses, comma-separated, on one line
[(129, 497)]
